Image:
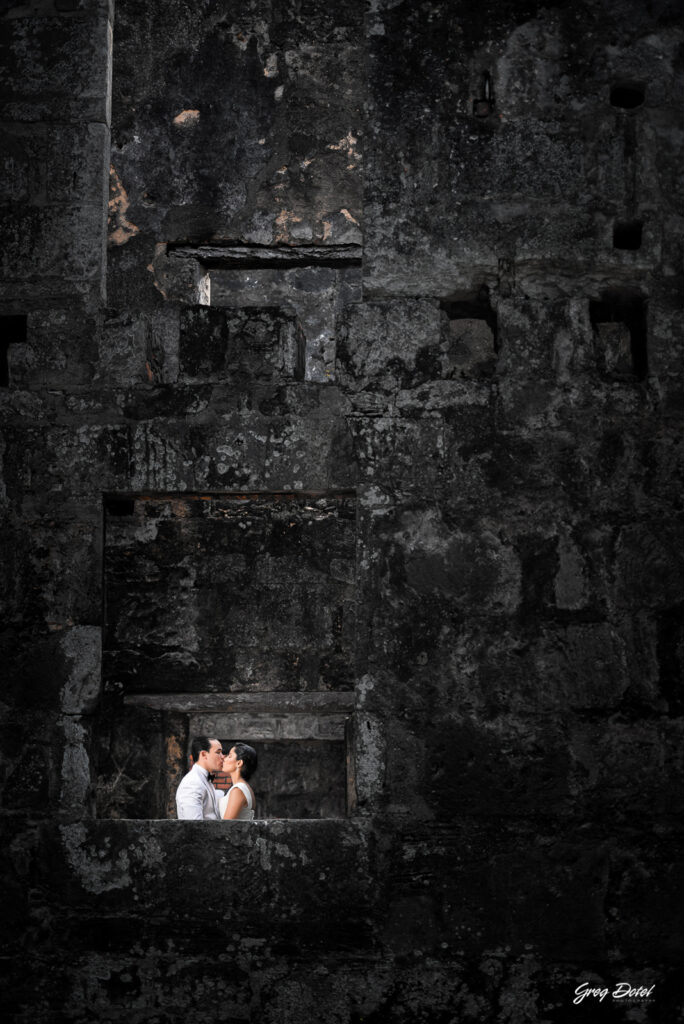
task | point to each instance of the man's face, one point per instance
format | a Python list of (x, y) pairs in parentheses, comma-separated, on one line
[(212, 759)]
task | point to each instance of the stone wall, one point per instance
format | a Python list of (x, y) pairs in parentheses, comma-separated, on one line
[(420, 262)]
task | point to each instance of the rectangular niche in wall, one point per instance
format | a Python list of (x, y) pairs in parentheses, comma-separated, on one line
[(316, 281), (619, 320), (212, 601), (470, 339), (303, 741)]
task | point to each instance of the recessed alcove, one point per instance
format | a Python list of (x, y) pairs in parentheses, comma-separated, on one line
[(303, 740), (484, 103), (627, 95), (12, 332), (315, 281), (119, 506), (627, 234), (471, 333), (619, 321), (232, 614)]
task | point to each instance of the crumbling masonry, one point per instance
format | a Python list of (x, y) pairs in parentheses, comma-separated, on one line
[(341, 391)]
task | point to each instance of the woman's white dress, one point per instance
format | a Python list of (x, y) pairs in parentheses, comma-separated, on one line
[(246, 813)]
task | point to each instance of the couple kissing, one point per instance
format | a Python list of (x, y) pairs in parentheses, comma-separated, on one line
[(196, 797)]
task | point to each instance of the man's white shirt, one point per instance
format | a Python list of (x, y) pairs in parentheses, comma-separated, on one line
[(196, 798)]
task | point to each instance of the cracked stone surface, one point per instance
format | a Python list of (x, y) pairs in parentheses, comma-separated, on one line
[(341, 409)]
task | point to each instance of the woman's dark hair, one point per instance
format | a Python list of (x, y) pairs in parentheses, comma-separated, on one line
[(248, 756)]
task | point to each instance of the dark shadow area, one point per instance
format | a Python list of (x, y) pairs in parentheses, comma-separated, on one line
[(476, 307), (119, 506), (627, 234), (626, 307), (484, 103), (12, 332), (627, 95)]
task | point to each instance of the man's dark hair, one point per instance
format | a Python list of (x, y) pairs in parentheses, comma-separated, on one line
[(199, 744), (248, 756)]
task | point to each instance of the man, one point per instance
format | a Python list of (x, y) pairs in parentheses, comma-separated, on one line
[(196, 798)]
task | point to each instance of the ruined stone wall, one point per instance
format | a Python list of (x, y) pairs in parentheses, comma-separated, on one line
[(414, 268)]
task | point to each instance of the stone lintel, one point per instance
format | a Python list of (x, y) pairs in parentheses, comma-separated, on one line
[(271, 703), (261, 726), (246, 256)]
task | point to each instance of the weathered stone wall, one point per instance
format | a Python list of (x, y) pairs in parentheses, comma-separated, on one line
[(492, 382)]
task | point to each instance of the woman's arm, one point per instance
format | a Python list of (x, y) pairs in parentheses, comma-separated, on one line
[(236, 801)]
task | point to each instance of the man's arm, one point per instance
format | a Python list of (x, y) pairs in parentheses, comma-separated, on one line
[(189, 806)]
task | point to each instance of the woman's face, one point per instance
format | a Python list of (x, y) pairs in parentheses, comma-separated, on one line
[(230, 763)]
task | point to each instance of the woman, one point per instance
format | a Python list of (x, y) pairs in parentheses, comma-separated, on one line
[(238, 803)]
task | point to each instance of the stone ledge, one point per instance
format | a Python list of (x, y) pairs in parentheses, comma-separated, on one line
[(269, 256), (271, 702)]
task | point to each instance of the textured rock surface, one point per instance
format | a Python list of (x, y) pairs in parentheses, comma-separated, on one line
[(417, 525)]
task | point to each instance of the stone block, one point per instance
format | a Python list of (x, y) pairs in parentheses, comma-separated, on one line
[(542, 337), (250, 449), (130, 771), (627, 770), (23, 159), (123, 353), (96, 456), (45, 765), (583, 667), (64, 572), (559, 896), (219, 345), (60, 350), (570, 584), (64, 550), (522, 159), (482, 768), (163, 331), (76, 796), (267, 726), (82, 648), (55, 248), (472, 346), (665, 169), (649, 570), (391, 452), (77, 164), (56, 68), (383, 345), (473, 568), (117, 860), (209, 575), (641, 897), (615, 349), (594, 668), (174, 280)]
